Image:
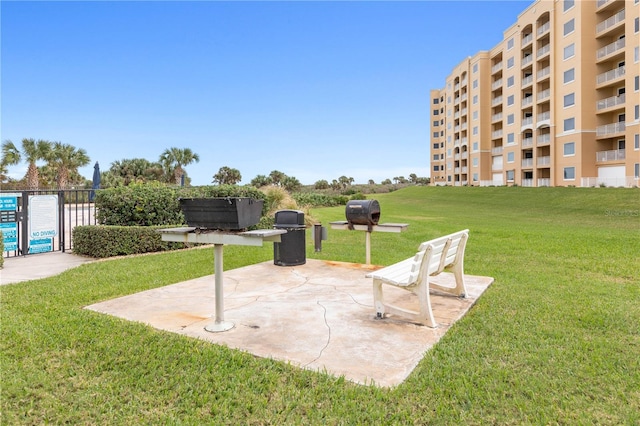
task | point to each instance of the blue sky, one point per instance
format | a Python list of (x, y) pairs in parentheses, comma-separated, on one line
[(316, 90)]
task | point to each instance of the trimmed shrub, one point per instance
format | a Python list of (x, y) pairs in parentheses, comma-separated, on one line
[(138, 205), (1, 250), (102, 241)]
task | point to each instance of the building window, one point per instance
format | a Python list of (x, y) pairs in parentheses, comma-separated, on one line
[(569, 149), (569, 173), (474, 84), (475, 99), (569, 27), (637, 112), (510, 62), (511, 157), (475, 144), (636, 54), (435, 134), (510, 119), (568, 4), (569, 51), (436, 145), (510, 175), (436, 112), (569, 100), (569, 124), (475, 177), (510, 100), (435, 157), (475, 68), (510, 81), (475, 162), (569, 75), (636, 170), (435, 101), (436, 168), (510, 44), (636, 141), (636, 25), (436, 123), (636, 83), (475, 130), (475, 115), (511, 138)]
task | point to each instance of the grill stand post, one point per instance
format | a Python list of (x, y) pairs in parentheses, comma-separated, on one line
[(220, 324)]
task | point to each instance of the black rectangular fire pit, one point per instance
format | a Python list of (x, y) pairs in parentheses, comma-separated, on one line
[(228, 213)]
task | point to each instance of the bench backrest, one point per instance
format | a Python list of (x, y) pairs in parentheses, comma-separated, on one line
[(439, 254)]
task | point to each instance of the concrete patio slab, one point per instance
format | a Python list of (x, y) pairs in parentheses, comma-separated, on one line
[(317, 316)]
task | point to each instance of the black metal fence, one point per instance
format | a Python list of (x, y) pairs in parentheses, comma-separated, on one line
[(41, 221)]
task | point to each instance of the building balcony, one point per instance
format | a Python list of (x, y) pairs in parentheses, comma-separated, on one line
[(527, 81), (545, 94), (611, 49), (496, 101), (543, 29), (544, 72), (527, 163), (544, 119), (496, 134), (496, 167), (609, 24), (496, 117), (543, 140), (526, 60), (543, 161), (543, 51), (496, 84), (610, 130), (496, 150), (527, 122), (497, 67), (611, 76), (612, 102), (526, 40), (527, 101), (610, 156), (527, 142), (544, 182)]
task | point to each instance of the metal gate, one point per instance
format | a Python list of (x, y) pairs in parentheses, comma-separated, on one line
[(41, 221)]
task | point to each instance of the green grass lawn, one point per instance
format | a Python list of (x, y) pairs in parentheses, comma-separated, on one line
[(554, 340)]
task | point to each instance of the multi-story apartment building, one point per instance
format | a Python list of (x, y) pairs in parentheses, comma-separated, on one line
[(555, 103)]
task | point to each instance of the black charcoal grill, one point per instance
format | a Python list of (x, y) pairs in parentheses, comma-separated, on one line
[(362, 212), (227, 214)]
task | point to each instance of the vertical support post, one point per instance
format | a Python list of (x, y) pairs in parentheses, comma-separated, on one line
[(220, 324), (317, 236), (368, 247)]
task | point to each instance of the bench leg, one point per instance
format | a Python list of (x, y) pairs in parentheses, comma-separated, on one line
[(426, 314), (378, 298)]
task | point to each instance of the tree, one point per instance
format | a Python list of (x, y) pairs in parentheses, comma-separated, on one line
[(291, 184), (413, 178), (66, 159), (345, 181), (227, 176), (277, 177), (386, 182), (174, 159), (131, 170), (32, 151), (321, 184), (372, 182), (260, 181)]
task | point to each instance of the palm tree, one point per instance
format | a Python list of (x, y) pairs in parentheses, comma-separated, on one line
[(175, 158), (32, 151), (66, 159), (227, 176)]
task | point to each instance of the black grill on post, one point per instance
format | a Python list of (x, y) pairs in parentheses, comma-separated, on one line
[(363, 212), (291, 250)]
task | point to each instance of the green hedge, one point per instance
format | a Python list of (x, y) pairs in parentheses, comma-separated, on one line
[(101, 241), (1, 250)]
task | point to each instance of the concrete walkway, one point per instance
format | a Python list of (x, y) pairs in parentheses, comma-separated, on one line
[(36, 266)]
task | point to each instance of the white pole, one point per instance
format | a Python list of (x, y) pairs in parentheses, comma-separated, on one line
[(220, 324)]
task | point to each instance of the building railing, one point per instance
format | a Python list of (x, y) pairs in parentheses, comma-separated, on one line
[(544, 182), (543, 72), (543, 50), (601, 3), (544, 94), (610, 75), (527, 142), (527, 101), (543, 161), (526, 40), (612, 155), (610, 22), (527, 80), (610, 129), (496, 84), (543, 139), (527, 182), (497, 100), (527, 162), (610, 102), (544, 28), (496, 150), (496, 134), (610, 48), (627, 182), (527, 121), (526, 60), (496, 117), (496, 67)]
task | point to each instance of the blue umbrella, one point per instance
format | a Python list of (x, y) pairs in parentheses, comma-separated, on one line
[(96, 181)]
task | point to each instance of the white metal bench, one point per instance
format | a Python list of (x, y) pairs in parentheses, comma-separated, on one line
[(414, 275)]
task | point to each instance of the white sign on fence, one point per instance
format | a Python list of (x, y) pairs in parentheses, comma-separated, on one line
[(43, 216)]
